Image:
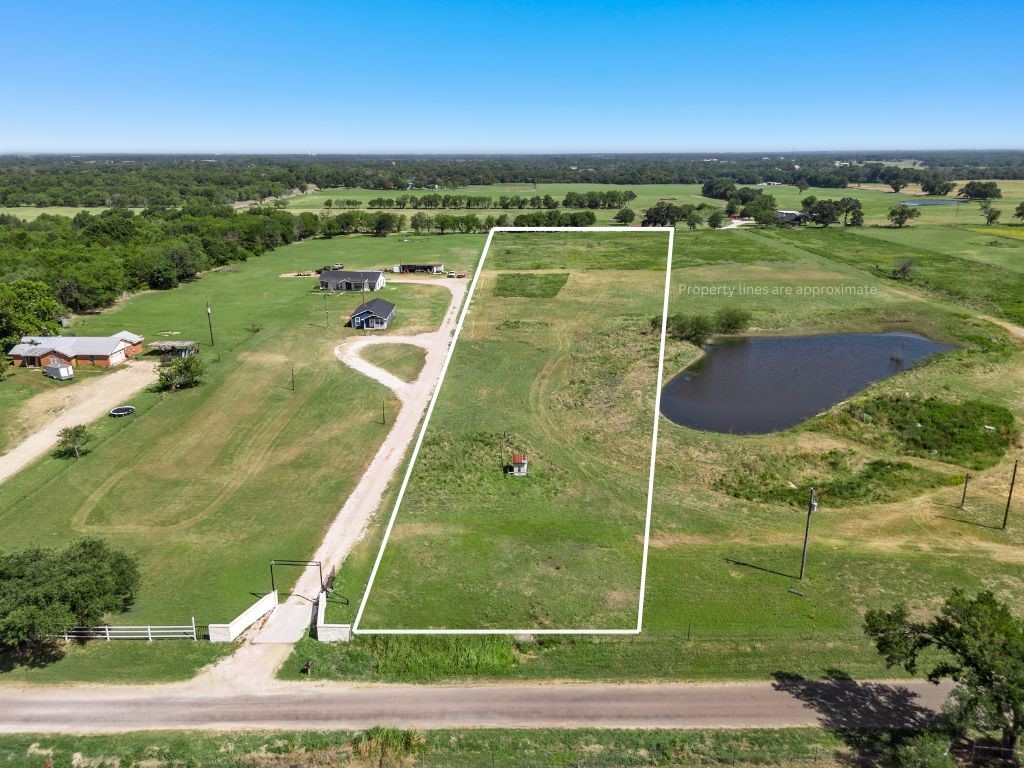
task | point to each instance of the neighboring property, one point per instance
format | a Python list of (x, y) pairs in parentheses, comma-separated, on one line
[(342, 280), (372, 314), (430, 269), (76, 351), (169, 349), (793, 218)]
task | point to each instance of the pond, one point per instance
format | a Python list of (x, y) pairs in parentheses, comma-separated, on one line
[(753, 386), (917, 203)]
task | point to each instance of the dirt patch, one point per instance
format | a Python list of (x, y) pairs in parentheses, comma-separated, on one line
[(265, 358), (670, 540)]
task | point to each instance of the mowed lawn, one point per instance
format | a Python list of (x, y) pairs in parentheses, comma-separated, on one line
[(207, 485), (403, 360), (723, 600), (557, 360)]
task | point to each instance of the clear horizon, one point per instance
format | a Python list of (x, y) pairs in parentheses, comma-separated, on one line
[(512, 78)]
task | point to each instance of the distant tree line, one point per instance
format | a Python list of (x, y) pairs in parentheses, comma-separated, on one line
[(607, 198), (438, 201), (141, 181), (823, 212), (86, 262), (665, 214)]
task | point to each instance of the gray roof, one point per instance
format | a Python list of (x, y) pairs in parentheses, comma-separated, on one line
[(345, 274), (71, 346), (378, 307)]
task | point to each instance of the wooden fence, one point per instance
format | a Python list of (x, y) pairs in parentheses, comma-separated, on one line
[(141, 632)]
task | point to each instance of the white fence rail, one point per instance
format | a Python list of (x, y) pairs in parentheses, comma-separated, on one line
[(330, 633), (226, 633), (140, 632)]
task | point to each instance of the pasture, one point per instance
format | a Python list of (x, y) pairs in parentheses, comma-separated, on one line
[(541, 368), (723, 600), (876, 199), (29, 213), (206, 485)]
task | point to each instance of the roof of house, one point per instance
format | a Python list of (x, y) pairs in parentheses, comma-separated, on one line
[(345, 274), (378, 307), (518, 458), (71, 346), (131, 338)]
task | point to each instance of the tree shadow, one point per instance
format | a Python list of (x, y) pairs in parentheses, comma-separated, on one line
[(762, 568), (872, 719), (31, 656)]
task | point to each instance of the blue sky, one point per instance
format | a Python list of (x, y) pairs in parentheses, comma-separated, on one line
[(436, 76)]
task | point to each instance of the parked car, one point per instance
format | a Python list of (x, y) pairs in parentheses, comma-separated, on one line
[(451, 274)]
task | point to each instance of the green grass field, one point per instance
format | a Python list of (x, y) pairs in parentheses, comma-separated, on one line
[(876, 199), (403, 360), (464, 748), (207, 485), (543, 366), (30, 212), (722, 566)]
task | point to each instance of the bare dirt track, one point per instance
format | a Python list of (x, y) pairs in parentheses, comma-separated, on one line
[(300, 706), (79, 404), (261, 661)]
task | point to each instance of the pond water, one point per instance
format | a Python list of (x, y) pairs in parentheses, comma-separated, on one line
[(917, 203), (753, 386)]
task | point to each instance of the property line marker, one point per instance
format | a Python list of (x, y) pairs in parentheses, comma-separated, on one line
[(426, 421)]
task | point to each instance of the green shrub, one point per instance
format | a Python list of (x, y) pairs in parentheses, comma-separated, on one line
[(973, 434), (696, 329), (834, 475), (692, 328), (731, 320), (180, 373), (387, 747)]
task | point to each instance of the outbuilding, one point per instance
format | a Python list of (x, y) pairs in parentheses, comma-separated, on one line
[(793, 218), (346, 280), (520, 465), (171, 349), (429, 269), (374, 314)]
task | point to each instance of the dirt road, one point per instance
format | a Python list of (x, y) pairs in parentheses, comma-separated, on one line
[(298, 706), (78, 404), (260, 662)]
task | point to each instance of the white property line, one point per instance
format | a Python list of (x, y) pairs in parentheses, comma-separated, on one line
[(426, 421)]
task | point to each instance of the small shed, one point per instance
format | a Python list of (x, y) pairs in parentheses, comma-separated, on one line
[(59, 371), (170, 349), (520, 465)]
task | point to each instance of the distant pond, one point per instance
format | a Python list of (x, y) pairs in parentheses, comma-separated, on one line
[(752, 386), (917, 203)]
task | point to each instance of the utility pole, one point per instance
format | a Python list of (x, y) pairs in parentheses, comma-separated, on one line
[(209, 320), (963, 496), (812, 505), (1009, 496), (327, 314)]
